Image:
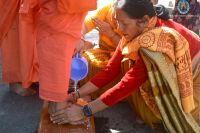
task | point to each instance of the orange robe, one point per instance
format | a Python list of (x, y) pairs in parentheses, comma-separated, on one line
[(18, 48), (56, 38), (98, 58), (103, 14), (8, 11)]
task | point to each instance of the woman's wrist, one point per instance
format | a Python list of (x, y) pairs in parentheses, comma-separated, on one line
[(87, 89), (73, 96), (96, 106), (93, 107)]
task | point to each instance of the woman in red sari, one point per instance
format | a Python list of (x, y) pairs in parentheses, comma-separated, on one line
[(161, 78)]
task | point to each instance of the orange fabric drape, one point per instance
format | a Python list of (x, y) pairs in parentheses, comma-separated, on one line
[(57, 34), (71, 6), (8, 11), (19, 57), (56, 38)]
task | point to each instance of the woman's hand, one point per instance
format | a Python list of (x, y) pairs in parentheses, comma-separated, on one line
[(73, 115), (83, 45), (103, 27)]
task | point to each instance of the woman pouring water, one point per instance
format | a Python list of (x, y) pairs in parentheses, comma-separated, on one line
[(161, 76)]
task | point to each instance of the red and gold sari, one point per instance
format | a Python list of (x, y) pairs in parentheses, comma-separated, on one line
[(168, 93)]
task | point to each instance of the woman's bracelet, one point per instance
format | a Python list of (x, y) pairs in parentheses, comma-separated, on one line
[(76, 95)]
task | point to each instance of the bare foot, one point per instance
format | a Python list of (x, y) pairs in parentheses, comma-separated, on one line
[(19, 90)]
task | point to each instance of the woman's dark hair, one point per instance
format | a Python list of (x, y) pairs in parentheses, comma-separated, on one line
[(136, 9), (162, 12)]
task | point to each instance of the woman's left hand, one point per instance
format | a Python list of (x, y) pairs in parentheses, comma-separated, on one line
[(73, 115), (103, 27)]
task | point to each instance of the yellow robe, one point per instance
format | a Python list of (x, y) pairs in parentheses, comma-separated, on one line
[(99, 57)]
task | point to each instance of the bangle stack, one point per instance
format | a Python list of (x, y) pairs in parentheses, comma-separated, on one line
[(76, 95)]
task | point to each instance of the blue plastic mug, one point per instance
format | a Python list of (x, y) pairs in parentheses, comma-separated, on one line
[(79, 68)]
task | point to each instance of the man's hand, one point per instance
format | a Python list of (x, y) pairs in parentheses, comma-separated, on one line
[(103, 27)]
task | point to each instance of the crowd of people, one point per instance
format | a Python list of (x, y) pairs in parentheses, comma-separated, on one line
[(142, 54)]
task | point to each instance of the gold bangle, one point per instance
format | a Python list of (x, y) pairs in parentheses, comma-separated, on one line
[(76, 95), (77, 92)]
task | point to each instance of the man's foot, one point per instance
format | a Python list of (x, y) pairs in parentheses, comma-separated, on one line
[(19, 90)]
